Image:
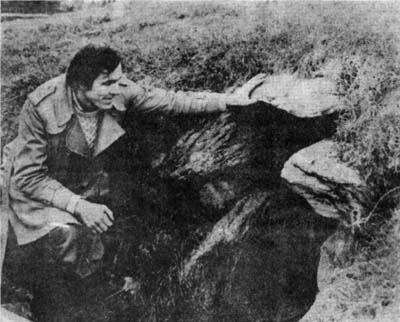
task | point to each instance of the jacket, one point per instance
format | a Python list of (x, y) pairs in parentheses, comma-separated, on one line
[(48, 165)]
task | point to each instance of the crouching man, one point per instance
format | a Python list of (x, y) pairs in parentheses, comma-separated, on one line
[(58, 175)]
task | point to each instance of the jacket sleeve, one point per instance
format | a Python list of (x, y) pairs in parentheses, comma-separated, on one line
[(150, 99), (30, 171)]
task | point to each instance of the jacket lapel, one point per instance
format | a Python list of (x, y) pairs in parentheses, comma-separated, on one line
[(108, 132), (75, 139)]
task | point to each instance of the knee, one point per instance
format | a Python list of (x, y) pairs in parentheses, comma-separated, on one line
[(64, 236), (64, 241)]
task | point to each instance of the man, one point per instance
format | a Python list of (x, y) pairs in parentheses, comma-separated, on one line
[(58, 164)]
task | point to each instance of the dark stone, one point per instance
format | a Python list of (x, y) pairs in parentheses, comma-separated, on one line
[(192, 174)]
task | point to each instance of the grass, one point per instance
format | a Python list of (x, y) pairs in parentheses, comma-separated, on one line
[(376, 271), (369, 139)]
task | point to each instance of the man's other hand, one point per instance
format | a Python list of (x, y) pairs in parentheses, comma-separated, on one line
[(241, 96), (96, 217)]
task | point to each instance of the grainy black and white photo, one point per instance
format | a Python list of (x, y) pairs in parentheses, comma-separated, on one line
[(200, 161)]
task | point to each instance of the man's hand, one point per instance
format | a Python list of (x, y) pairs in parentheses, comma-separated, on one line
[(241, 96), (95, 216)]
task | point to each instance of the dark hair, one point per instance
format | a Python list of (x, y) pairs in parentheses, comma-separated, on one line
[(89, 62)]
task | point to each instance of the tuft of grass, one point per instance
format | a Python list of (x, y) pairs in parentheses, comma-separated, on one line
[(372, 283), (369, 139)]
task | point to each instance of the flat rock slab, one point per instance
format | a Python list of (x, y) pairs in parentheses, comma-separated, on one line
[(330, 186), (303, 98)]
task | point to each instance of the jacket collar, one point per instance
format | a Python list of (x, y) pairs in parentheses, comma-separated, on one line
[(108, 133), (64, 108)]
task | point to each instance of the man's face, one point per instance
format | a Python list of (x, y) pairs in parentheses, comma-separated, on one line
[(104, 88)]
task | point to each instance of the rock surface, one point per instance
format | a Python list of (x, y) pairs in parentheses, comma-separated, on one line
[(258, 261), (300, 97), (231, 227), (332, 188)]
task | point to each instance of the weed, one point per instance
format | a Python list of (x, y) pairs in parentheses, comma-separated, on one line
[(374, 276), (369, 139)]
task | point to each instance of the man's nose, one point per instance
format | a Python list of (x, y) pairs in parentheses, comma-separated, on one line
[(114, 90)]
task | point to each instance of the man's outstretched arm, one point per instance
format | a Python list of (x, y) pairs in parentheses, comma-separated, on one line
[(156, 99)]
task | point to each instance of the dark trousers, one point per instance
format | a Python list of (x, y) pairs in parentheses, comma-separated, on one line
[(72, 249), (56, 268), (64, 264)]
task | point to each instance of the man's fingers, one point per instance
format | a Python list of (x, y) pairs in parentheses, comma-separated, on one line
[(109, 213), (94, 229), (248, 88), (87, 222), (107, 221), (258, 78), (95, 216), (92, 225), (255, 82), (101, 227)]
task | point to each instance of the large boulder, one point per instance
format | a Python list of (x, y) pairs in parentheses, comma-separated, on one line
[(258, 261), (331, 187)]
